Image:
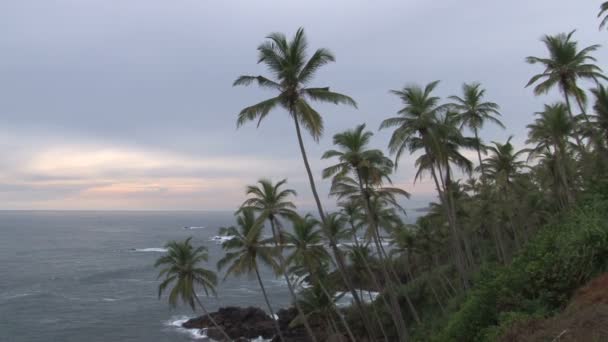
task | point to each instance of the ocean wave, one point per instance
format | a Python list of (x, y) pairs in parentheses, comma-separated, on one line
[(151, 249), (219, 239), (194, 227), (176, 323)]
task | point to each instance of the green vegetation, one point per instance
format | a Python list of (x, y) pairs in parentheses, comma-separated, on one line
[(511, 236)]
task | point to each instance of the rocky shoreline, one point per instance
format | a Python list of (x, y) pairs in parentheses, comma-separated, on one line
[(245, 324)]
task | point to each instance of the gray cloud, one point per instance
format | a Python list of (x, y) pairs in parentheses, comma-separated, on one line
[(156, 75)]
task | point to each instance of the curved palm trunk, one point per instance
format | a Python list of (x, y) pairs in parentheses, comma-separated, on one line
[(335, 308), (211, 318), (288, 281), (582, 107), (481, 167), (579, 142), (275, 321), (336, 252), (559, 151)]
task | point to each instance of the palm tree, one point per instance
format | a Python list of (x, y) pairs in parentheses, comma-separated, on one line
[(310, 257), (244, 248), (550, 133), (564, 67), (181, 267), (504, 164), (287, 61), (308, 254), (370, 168), (473, 112), (419, 128), (603, 11), (502, 167), (271, 203)]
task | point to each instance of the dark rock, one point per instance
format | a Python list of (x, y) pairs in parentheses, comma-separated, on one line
[(237, 322)]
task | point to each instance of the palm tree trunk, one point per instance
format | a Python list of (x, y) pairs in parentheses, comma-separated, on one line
[(211, 318), (275, 321), (559, 151), (288, 281), (481, 167), (582, 107), (335, 308), (456, 249), (341, 264), (579, 142)]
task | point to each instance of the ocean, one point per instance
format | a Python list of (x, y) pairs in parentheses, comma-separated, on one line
[(88, 275)]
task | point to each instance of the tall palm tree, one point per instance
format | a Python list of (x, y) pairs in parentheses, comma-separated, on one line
[(564, 67), (181, 268), (473, 112), (369, 168), (293, 71), (550, 133), (308, 254), (502, 167), (603, 11), (310, 257), (244, 248), (271, 202), (419, 128)]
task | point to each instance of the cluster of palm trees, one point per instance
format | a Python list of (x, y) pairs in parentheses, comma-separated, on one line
[(486, 209)]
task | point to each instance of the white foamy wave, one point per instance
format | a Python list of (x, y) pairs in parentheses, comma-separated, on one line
[(109, 299), (194, 227), (152, 249), (219, 239), (177, 322), (347, 298)]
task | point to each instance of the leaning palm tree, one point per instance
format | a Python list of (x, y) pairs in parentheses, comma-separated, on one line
[(418, 128), (293, 71), (245, 248), (369, 168), (271, 202), (309, 257), (550, 133), (181, 269), (503, 166), (564, 67), (603, 12), (474, 112)]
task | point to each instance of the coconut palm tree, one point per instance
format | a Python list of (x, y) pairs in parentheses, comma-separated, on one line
[(564, 67), (293, 71), (503, 166), (603, 12), (310, 257), (245, 248), (271, 202), (369, 168), (550, 133), (287, 61), (418, 128), (474, 112), (308, 254), (181, 268)]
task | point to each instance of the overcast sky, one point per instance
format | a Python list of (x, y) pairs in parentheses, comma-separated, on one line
[(129, 104)]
